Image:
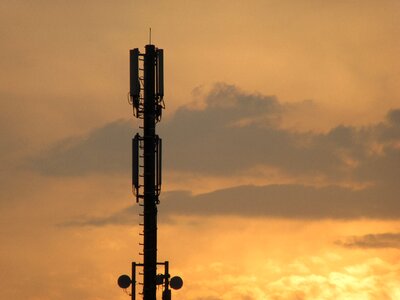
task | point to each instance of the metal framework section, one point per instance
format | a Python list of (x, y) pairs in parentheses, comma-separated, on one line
[(162, 279)]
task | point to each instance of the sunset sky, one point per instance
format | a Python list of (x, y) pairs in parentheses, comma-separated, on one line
[(281, 148)]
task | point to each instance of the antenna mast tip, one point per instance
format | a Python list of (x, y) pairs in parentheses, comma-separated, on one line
[(150, 35)]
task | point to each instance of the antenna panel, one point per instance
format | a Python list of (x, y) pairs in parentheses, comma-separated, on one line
[(160, 73), (158, 165), (135, 163), (134, 90)]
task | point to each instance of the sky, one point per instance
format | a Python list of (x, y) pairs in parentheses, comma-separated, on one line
[(281, 140)]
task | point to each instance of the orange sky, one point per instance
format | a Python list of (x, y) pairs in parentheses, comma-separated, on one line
[(282, 147)]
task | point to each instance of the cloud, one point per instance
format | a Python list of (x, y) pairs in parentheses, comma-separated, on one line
[(234, 132), (104, 150), (273, 201), (228, 139), (380, 240), (324, 279), (237, 131)]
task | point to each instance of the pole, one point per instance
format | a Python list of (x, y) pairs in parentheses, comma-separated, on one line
[(150, 198)]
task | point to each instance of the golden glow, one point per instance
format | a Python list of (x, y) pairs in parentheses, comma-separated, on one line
[(64, 71)]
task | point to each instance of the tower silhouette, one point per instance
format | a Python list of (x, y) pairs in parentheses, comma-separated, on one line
[(146, 95)]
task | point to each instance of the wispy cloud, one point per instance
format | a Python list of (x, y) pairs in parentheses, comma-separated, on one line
[(373, 278), (273, 201), (379, 240)]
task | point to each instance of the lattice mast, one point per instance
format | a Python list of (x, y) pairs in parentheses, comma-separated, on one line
[(146, 96)]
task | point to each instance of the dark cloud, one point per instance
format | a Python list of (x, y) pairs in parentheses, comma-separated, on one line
[(104, 150), (234, 132), (383, 168), (237, 131), (380, 240), (273, 201), (394, 117)]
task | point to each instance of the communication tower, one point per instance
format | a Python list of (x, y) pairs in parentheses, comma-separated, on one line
[(146, 95)]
